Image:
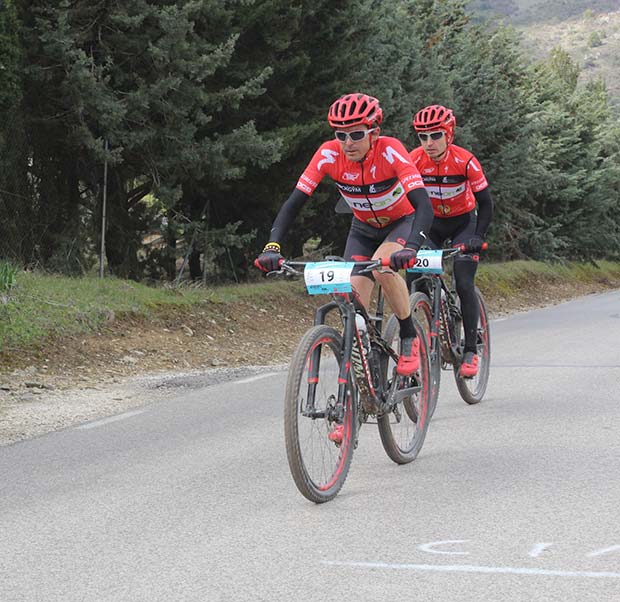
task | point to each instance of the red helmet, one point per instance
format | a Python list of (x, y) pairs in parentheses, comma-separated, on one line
[(355, 109), (435, 117)]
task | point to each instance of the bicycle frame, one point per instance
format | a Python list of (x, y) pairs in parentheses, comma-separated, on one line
[(436, 300), (445, 315), (337, 380), (353, 350), (368, 372)]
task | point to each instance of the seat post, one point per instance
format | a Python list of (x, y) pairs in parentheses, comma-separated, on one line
[(379, 314)]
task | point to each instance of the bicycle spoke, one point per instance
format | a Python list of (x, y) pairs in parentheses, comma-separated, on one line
[(403, 429), (473, 389), (319, 464), (421, 309)]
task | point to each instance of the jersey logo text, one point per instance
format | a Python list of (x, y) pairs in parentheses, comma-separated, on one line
[(389, 153), (330, 157)]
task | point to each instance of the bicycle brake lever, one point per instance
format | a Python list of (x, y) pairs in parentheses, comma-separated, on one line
[(285, 269), (377, 263)]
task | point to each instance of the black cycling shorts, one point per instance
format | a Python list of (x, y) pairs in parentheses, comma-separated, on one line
[(364, 240), (458, 230)]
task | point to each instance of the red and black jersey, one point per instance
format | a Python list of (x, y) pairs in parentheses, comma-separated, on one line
[(375, 188), (451, 182)]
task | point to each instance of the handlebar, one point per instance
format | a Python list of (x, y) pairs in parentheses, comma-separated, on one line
[(289, 267)]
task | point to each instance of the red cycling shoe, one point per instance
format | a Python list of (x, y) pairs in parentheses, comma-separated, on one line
[(409, 360), (469, 367), (337, 434)]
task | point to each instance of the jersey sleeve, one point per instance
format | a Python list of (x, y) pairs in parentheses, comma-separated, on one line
[(397, 156), (475, 175), (318, 168)]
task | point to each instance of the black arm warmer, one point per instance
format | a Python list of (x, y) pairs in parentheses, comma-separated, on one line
[(423, 221), (287, 214), (485, 211)]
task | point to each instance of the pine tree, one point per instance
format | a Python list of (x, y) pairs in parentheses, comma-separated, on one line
[(145, 78), (578, 169), (490, 82), (15, 241), (316, 50), (10, 55)]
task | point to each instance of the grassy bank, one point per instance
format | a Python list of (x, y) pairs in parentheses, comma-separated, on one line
[(41, 306), (518, 277)]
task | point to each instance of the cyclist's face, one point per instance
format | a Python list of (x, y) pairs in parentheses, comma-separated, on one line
[(355, 150), (435, 149)]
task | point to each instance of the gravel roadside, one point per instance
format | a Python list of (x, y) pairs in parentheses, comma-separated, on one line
[(127, 368), (36, 411)]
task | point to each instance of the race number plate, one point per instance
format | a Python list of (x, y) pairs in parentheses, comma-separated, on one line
[(428, 261), (328, 277)]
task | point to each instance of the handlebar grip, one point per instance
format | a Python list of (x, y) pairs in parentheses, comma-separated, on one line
[(385, 262)]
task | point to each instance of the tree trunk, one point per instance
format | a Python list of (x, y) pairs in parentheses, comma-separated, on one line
[(122, 238)]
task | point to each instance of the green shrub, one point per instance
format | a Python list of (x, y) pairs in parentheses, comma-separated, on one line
[(8, 277), (595, 40)]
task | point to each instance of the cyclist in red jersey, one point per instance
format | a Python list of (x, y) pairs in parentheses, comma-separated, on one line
[(391, 209), (456, 183)]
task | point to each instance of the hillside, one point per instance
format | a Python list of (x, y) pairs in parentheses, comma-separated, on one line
[(532, 12), (593, 41), (588, 30)]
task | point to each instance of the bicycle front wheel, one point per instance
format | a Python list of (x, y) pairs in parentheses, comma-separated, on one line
[(320, 430), (403, 429), (422, 311), (472, 390)]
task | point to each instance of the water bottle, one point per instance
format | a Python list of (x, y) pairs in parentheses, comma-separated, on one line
[(363, 330)]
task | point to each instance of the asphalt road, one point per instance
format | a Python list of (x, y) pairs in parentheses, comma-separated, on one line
[(190, 499)]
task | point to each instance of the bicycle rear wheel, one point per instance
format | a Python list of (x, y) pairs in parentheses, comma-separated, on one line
[(422, 311), (312, 412), (472, 390), (403, 429)]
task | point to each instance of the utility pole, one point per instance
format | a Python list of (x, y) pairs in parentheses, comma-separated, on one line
[(104, 210)]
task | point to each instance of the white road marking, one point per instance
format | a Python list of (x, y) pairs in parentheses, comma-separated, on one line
[(604, 551), (253, 378), (430, 547), (538, 548), (98, 423), (466, 568)]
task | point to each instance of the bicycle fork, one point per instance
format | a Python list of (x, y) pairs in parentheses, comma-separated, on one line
[(354, 370)]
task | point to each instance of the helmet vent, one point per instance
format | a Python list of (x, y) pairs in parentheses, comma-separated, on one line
[(355, 109)]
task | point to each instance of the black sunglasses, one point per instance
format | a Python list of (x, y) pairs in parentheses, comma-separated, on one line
[(433, 136)]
